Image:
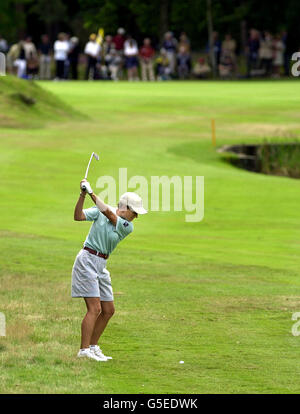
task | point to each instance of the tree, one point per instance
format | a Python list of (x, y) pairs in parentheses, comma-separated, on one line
[(13, 19), (150, 18), (50, 13)]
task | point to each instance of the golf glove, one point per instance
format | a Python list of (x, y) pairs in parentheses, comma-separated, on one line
[(86, 186)]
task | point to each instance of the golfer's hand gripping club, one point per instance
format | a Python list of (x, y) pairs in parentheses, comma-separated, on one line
[(86, 186)]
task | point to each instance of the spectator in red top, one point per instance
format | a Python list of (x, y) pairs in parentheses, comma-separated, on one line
[(146, 58), (119, 40)]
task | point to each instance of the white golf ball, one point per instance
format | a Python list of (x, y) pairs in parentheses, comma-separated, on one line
[(181, 362)]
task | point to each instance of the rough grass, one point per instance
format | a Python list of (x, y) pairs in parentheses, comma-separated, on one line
[(218, 294)]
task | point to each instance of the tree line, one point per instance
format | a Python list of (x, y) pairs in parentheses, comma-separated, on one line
[(150, 18)]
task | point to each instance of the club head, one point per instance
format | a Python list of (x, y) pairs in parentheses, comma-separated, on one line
[(96, 156)]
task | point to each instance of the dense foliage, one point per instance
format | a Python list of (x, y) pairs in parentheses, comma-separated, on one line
[(141, 17)]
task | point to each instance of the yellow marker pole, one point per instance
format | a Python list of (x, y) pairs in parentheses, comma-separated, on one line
[(213, 132), (100, 36)]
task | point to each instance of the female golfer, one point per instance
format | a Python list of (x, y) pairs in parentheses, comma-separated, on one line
[(90, 278)]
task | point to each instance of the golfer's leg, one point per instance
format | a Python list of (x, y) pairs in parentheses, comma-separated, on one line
[(107, 311), (88, 324)]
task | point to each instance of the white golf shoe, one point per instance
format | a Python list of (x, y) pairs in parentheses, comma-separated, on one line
[(86, 353), (98, 352)]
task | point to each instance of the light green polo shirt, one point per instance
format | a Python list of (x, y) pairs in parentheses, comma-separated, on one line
[(103, 235)]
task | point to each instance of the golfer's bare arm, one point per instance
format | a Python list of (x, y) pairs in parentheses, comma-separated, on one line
[(78, 212), (104, 209)]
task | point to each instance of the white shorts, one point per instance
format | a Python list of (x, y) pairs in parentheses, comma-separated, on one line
[(90, 278)]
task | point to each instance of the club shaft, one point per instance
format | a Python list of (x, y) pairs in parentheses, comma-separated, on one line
[(87, 170)]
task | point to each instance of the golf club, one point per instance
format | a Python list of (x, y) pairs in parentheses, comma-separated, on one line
[(96, 156)]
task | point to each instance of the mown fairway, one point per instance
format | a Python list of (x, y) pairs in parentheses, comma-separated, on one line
[(218, 294)]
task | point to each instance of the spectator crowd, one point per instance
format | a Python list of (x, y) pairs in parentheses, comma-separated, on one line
[(120, 57)]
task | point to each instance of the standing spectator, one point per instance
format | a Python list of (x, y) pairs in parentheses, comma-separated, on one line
[(229, 47), (74, 57), (131, 58), (278, 55), (163, 69), (61, 48), (108, 45), (266, 53), (30, 49), (45, 57), (115, 64), (201, 69), (32, 63), (183, 63), (228, 56), (146, 58), (252, 49), (170, 46), (3, 45), (92, 50), (119, 40), (107, 56), (184, 42)]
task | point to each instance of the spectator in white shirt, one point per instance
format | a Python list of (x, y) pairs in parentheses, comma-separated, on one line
[(61, 48), (131, 58), (92, 50)]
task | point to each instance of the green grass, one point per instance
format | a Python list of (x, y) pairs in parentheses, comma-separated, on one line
[(26, 104), (218, 294)]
